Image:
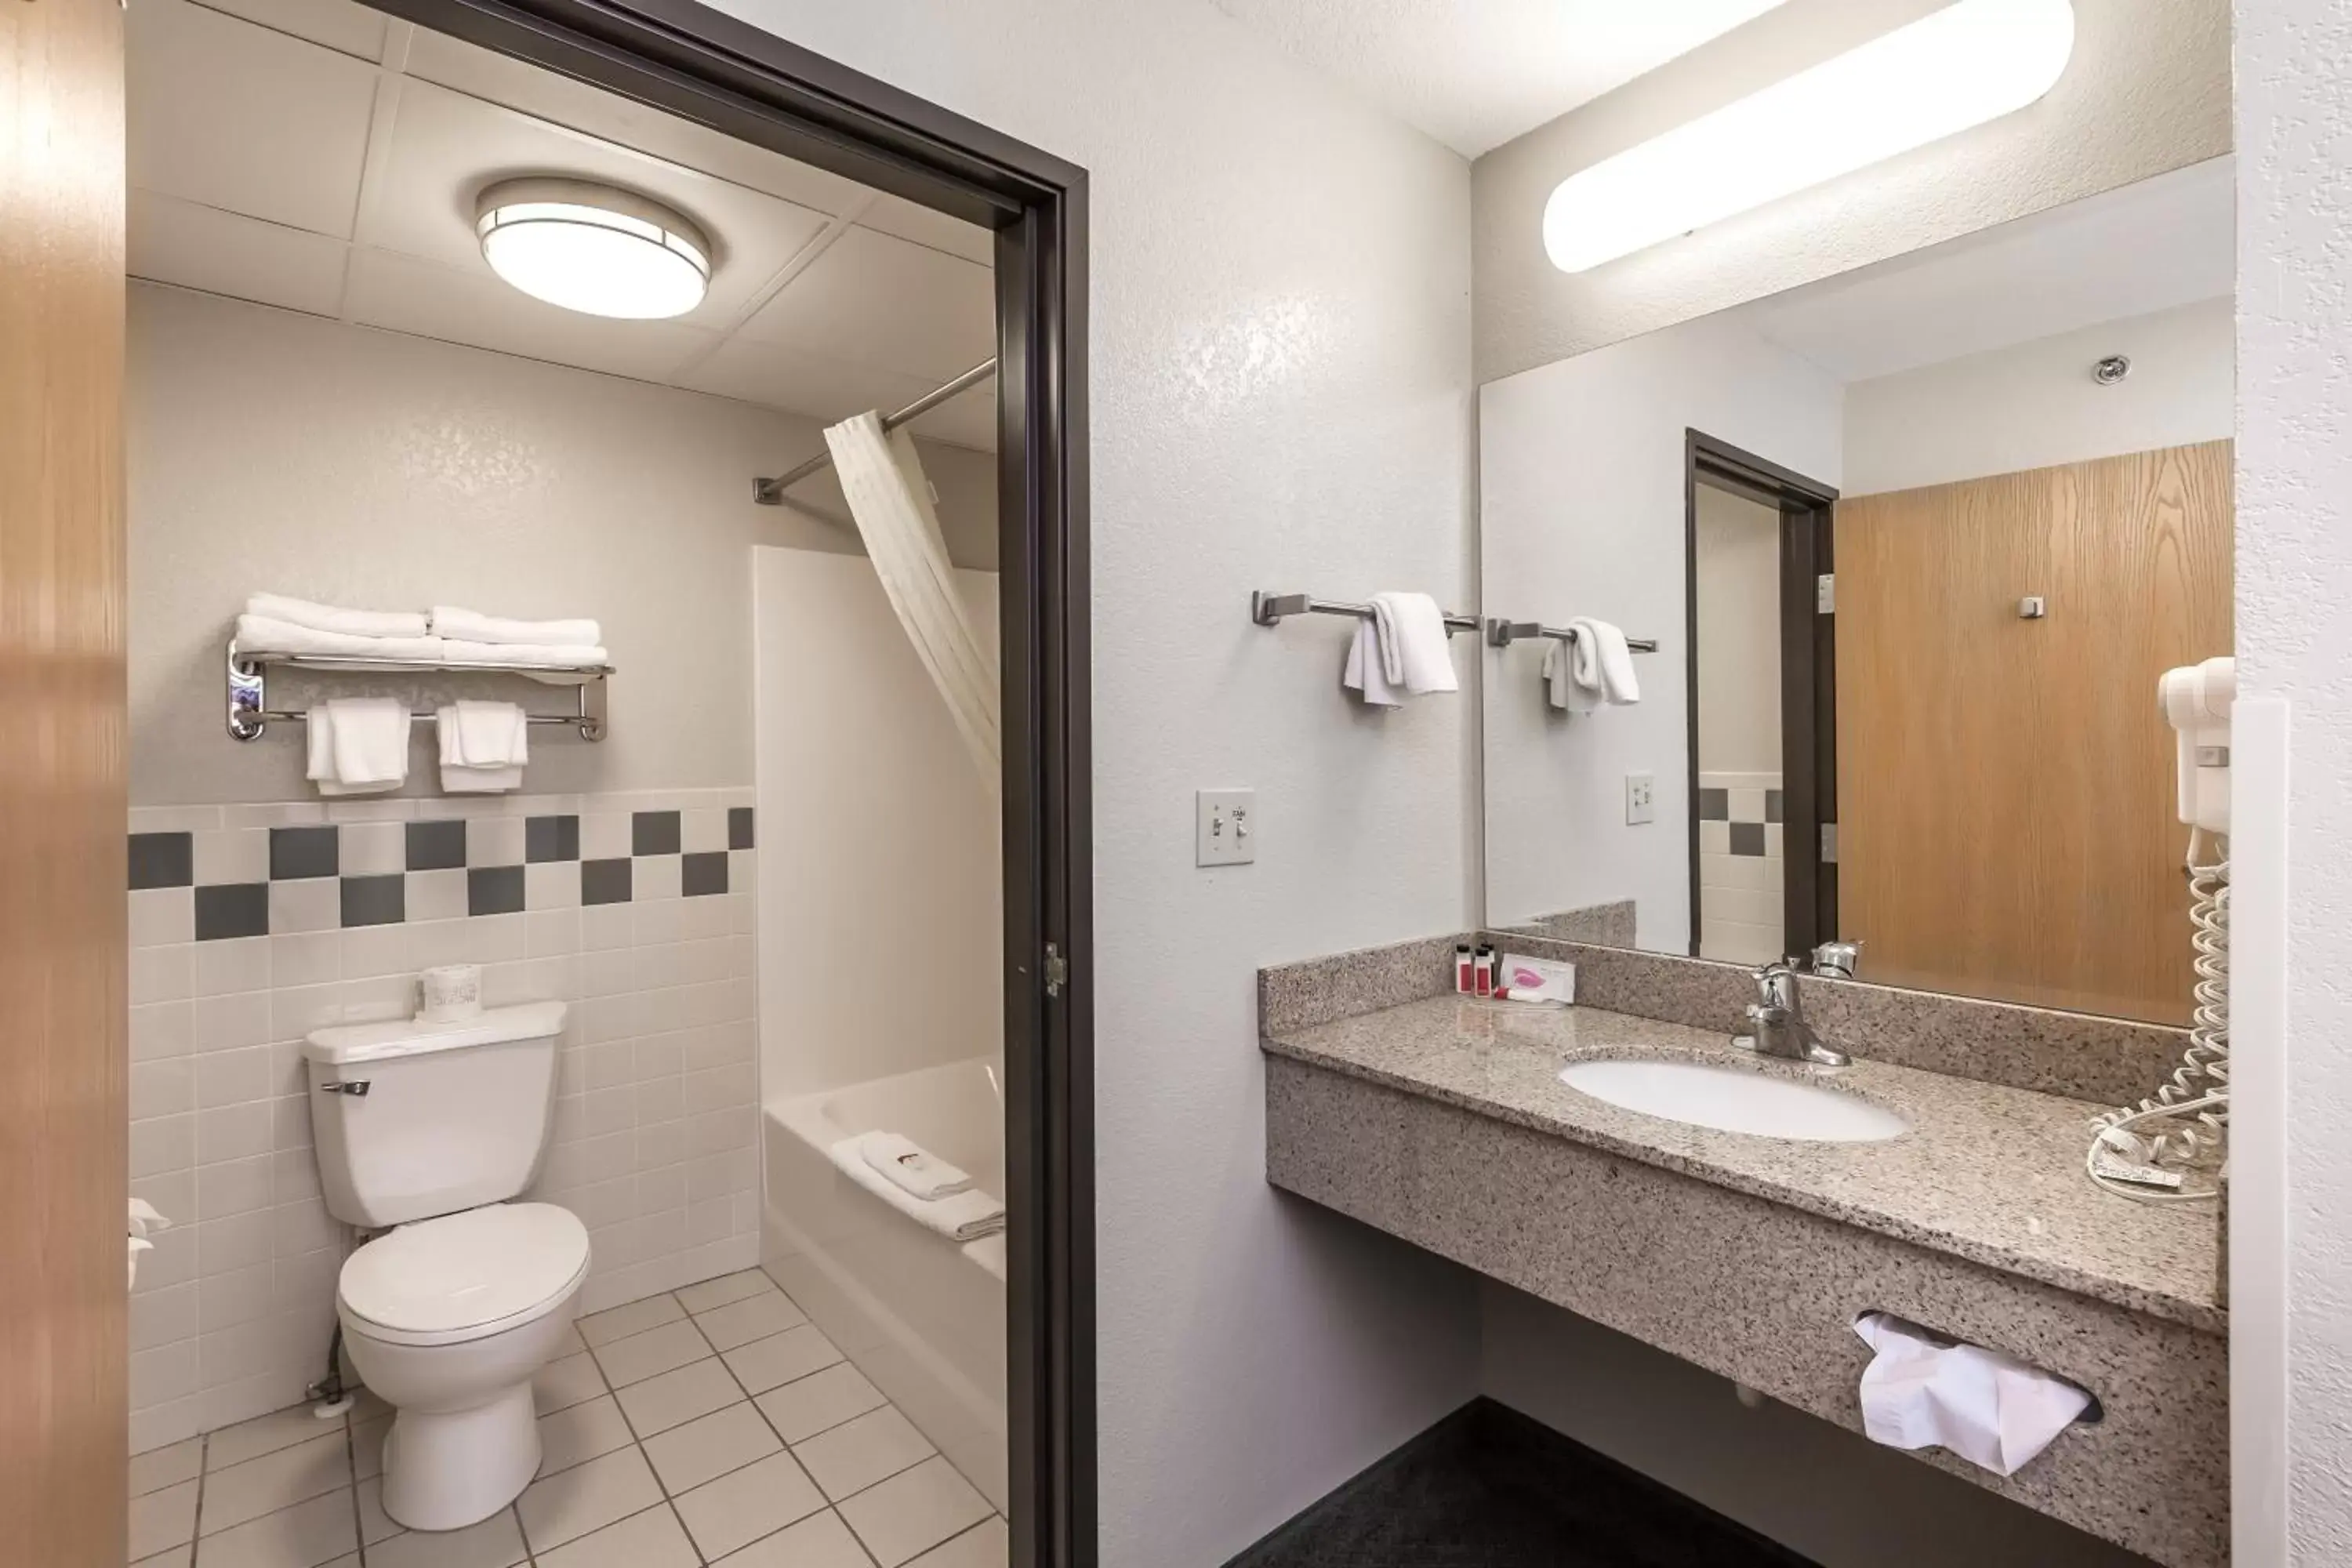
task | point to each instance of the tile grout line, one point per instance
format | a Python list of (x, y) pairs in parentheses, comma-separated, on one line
[(351, 1465)]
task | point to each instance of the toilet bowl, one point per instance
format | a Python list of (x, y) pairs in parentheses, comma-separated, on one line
[(446, 1320)]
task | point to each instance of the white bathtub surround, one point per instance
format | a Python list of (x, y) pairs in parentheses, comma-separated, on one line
[(252, 925), (920, 1314)]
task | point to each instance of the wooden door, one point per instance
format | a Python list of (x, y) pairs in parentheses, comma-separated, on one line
[(63, 1124), (2005, 786)]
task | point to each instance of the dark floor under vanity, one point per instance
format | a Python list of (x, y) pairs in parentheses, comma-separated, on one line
[(1486, 1488)]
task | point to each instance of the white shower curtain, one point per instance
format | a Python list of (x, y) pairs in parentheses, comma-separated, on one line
[(891, 502)]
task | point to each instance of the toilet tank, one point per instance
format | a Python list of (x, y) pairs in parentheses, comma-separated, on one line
[(415, 1118)]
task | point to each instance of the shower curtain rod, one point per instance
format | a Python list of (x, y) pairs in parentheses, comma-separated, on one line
[(770, 492)]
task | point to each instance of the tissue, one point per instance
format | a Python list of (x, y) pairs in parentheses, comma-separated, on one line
[(1921, 1391)]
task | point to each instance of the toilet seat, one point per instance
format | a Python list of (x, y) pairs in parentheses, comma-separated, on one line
[(464, 1276)]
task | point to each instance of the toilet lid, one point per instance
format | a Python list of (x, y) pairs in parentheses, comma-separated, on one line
[(466, 1270)]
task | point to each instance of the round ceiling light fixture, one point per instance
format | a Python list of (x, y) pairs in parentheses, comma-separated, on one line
[(592, 249)]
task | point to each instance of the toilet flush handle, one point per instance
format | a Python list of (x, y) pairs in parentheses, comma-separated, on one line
[(358, 1086)]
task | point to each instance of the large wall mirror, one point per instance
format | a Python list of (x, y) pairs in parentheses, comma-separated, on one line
[(1914, 544)]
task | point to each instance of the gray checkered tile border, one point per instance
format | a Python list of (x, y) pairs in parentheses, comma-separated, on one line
[(259, 882)]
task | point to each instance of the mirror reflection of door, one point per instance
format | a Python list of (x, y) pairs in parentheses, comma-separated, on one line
[(1736, 587)]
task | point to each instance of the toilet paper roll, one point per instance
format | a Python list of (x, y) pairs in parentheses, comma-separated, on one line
[(451, 991)]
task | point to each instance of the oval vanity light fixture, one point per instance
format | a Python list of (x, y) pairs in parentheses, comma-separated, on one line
[(1962, 65), (592, 249)]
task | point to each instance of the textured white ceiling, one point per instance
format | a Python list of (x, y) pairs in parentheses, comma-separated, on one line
[(2149, 247), (1476, 73), (322, 157)]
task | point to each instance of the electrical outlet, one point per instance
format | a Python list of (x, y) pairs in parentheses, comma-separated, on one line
[(1641, 799), (1224, 827)]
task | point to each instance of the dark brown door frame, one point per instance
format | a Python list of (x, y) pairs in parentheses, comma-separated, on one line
[(710, 67), (1808, 677)]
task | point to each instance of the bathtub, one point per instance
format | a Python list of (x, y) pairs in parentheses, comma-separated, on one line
[(921, 1315)]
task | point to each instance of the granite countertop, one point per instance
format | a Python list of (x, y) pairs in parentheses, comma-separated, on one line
[(1990, 1174)]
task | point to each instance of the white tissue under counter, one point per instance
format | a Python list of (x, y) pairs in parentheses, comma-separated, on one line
[(1443, 1121)]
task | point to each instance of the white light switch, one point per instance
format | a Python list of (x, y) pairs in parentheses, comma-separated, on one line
[(1641, 799), (1224, 827)]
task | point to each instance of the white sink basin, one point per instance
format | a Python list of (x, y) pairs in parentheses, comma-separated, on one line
[(1734, 1100)]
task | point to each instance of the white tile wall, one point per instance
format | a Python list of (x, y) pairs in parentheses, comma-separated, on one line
[(655, 1132), (1741, 917)]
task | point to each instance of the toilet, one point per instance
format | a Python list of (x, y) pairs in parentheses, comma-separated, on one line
[(427, 1132)]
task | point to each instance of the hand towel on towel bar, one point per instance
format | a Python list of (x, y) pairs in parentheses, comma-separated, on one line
[(1596, 667), (262, 633), (359, 745), (1401, 649), (336, 618), (921, 1173), (484, 746), (966, 1217), (472, 626)]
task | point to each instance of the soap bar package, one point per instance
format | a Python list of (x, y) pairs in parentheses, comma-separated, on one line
[(1523, 979)]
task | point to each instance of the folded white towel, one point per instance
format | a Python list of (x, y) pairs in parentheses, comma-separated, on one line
[(484, 746), (1414, 651), (965, 1217), (472, 626), (1366, 672), (523, 655), (359, 745), (336, 618), (260, 634), (1595, 667), (923, 1174)]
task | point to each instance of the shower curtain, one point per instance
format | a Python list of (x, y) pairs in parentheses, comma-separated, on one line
[(891, 502)]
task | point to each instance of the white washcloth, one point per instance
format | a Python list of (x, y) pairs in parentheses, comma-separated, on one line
[(523, 655), (913, 1167), (1921, 1391), (1594, 668), (966, 1217), (484, 746), (472, 626), (1365, 671), (261, 634), (336, 618), (1414, 651), (359, 745)]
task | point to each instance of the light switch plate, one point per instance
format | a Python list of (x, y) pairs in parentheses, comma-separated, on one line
[(1224, 827), (1641, 799)]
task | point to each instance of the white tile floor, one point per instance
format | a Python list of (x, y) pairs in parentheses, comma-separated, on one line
[(710, 1426)]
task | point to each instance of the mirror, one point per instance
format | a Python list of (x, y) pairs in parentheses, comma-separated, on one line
[(1914, 544)]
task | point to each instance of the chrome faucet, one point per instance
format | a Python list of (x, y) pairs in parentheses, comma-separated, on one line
[(1777, 1019)]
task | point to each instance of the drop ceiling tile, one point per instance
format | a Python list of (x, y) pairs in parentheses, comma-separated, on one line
[(238, 117), (775, 377), (172, 241), (897, 216), (339, 24), (502, 80), (406, 294), (968, 419), (873, 298), (446, 148)]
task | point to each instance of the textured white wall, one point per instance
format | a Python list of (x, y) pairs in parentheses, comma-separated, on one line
[(1279, 360), (2294, 642), (2148, 90), (1740, 657), (2034, 404), (271, 450), (1580, 512)]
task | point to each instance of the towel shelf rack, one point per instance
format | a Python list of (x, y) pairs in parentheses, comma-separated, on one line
[(1268, 609), (249, 713), (1501, 633)]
